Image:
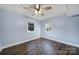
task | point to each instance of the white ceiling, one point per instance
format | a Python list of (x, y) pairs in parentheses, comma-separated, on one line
[(57, 10)]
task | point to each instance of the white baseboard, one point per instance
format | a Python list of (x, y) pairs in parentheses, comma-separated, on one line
[(18, 43), (54, 39)]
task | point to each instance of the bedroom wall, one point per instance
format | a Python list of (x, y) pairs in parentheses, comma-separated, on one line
[(14, 28), (65, 29), (0, 40), (0, 28), (0, 33)]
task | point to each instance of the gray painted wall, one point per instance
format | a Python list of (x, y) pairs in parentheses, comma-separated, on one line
[(14, 28), (1, 17), (0, 32), (64, 29)]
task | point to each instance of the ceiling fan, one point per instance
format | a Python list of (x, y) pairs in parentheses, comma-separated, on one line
[(38, 9)]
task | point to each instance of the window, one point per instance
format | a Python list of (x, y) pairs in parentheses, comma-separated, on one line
[(30, 26), (48, 27)]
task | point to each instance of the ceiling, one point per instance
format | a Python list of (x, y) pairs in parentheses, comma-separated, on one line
[(57, 10)]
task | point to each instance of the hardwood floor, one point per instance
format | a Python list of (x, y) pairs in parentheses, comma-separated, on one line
[(41, 46)]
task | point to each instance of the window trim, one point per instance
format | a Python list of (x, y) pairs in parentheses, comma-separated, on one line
[(48, 25), (28, 26)]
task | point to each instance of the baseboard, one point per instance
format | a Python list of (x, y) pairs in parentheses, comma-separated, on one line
[(54, 39), (18, 43)]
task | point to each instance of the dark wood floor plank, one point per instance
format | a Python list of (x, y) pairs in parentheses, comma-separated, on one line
[(41, 46)]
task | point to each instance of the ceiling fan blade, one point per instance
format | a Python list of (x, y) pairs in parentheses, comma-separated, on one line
[(47, 8), (25, 7), (29, 7)]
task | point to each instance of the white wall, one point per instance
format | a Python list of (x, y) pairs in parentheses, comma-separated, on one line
[(65, 29), (14, 28), (1, 17), (0, 34), (72, 9)]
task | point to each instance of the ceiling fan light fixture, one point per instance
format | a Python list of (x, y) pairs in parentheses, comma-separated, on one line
[(38, 12), (37, 6)]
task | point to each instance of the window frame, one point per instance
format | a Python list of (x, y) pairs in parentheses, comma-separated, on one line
[(49, 24), (30, 26)]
